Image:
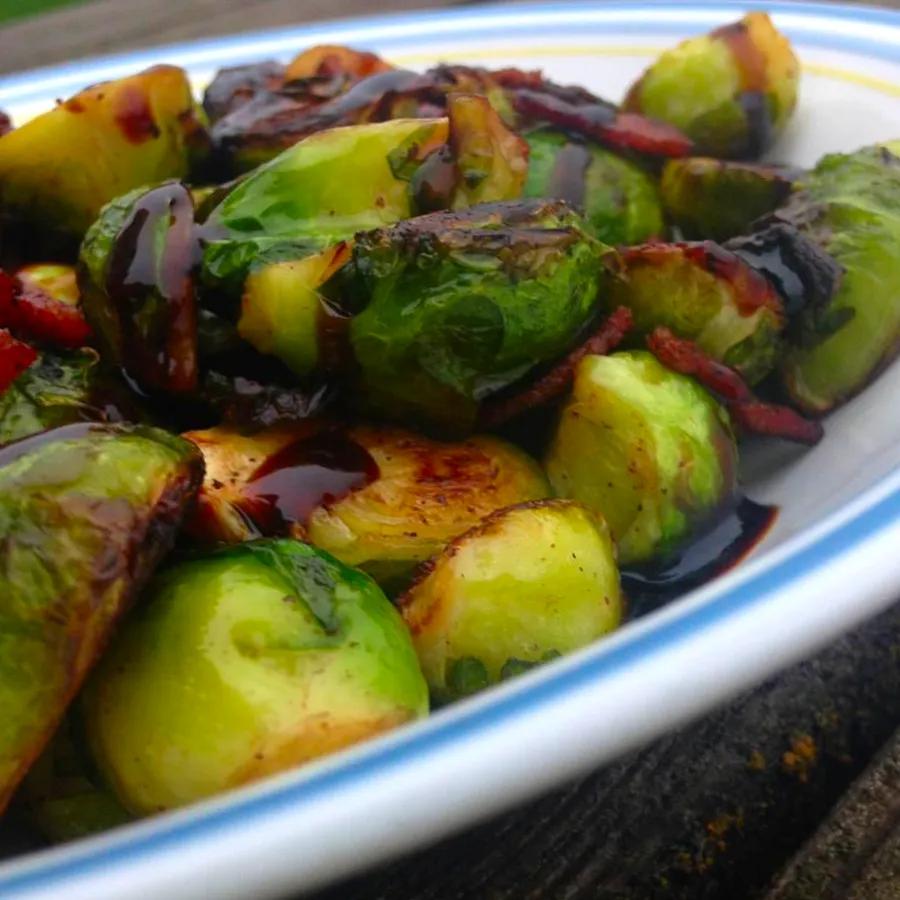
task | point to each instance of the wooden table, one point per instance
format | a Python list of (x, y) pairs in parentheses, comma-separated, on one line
[(769, 796)]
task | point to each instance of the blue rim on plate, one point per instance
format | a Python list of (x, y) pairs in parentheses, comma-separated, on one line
[(837, 536)]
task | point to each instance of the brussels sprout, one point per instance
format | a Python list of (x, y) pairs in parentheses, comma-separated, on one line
[(234, 86), (708, 294), (320, 191), (619, 199), (60, 389), (379, 498), (646, 448), (463, 304), (284, 314), (714, 199), (86, 513), (330, 60), (62, 795), (113, 136), (483, 610), (425, 494), (41, 303), (245, 663), (850, 205), (732, 90), (136, 267)]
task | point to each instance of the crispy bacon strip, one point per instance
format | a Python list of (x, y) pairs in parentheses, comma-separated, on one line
[(751, 413), (604, 123), (15, 357), (29, 311), (555, 382)]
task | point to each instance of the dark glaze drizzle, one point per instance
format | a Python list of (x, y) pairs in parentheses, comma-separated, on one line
[(308, 473), (722, 546), (567, 180)]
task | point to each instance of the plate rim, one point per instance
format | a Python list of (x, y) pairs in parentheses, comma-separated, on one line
[(814, 552)]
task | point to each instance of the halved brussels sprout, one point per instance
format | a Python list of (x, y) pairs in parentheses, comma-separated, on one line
[(328, 60), (136, 275), (426, 493), (244, 663), (60, 389), (461, 305), (378, 498), (619, 199), (850, 205), (484, 610), (283, 312), (731, 90), (318, 192), (86, 513), (706, 293), (646, 448), (714, 199), (58, 170)]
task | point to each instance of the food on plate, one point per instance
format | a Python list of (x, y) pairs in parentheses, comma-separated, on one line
[(483, 611), (356, 388), (732, 91), (86, 513), (243, 663)]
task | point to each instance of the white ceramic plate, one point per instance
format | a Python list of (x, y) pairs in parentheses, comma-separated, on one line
[(831, 561)]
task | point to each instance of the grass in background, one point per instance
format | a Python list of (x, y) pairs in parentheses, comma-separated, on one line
[(20, 9)]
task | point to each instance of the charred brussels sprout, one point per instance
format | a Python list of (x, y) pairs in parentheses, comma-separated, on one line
[(706, 293), (115, 136), (732, 90), (330, 60), (244, 663), (60, 389), (86, 513), (646, 448), (483, 610), (378, 498), (136, 266), (463, 304), (714, 199), (284, 313), (619, 199), (850, 205)]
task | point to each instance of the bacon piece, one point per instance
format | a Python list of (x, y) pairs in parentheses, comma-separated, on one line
[(604, 123), (29, 311), (555, 382), (15, 357), (748, 411)]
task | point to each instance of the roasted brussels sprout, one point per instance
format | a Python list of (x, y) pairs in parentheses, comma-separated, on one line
[(320, 191), (463, 304), (236, 85), (483, 610), (244, 663), (619, 199), (646, 448), (136, 266), (283, 312), (378, 498), (114, 136), (713, 199), (330, 60), (86, 513), (732, 90), (60, 389), (850, 205), (708, 294)]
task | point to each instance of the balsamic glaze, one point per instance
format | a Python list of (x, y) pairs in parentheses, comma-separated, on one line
[(304, 475), (567, 180), (712, 553)]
